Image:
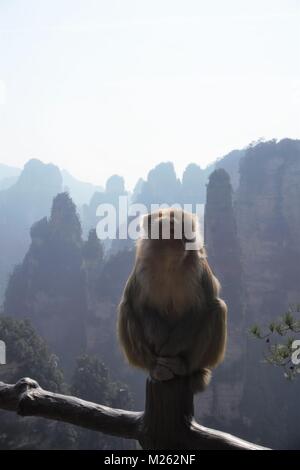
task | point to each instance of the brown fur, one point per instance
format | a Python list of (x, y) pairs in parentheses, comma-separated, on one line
[(171, 320)]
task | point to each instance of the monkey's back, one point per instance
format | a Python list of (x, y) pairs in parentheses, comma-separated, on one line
[(171, 288)]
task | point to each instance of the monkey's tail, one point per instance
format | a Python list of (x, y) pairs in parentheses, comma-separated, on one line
[(199, 380)]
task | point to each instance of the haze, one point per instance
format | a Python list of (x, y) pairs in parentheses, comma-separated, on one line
[(104, 87)]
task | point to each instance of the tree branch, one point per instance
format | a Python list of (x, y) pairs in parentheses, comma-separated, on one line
[(27, 398), (202, 438), (167, 422)]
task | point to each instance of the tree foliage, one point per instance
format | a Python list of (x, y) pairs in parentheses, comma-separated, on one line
[(28, 356), (91, 382), (279, 338)]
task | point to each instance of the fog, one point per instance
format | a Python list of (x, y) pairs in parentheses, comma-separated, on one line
[(101, 87)]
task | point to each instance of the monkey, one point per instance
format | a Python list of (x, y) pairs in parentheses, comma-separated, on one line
[(171, 320)]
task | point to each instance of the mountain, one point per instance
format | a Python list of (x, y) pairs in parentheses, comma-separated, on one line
[(67, 290), (268, 220), (21, 205), (193, 186), (79, 191), (114, 189), (8, 175), (48, 287), (161, 187), (231, 163), (221, 240), (8, 182), (8, 171)]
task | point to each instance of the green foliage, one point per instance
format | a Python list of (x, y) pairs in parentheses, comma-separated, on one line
[(29, 355), (91, 382), (255, 330), (279, 341)]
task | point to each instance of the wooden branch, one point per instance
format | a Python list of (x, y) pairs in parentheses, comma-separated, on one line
[(202, 438), (27, 398), (167, 422)]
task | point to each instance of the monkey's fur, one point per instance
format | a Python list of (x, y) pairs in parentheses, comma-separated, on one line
[(171, 320)]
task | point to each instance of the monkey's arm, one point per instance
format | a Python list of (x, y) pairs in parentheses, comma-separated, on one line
[(201, 341), (130, 330), (210, 346), (217, 347), (181, 336)]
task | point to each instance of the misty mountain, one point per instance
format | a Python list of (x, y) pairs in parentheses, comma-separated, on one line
[(48, 287), (193, 186), (161, 187), (8, 171), (225, 393), (67, 290), (79, 191), (8, 175), (267, 220), (114, 189), (21, 205), (231, 163)]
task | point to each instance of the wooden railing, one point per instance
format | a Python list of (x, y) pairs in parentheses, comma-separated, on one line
[(167, 422)]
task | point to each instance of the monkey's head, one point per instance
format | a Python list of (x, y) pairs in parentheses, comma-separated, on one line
[(172, 228)]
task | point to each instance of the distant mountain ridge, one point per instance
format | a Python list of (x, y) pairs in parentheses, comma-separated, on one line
[(26, 196), (8, 175), (26, 201), (80, 191), (7, 171)]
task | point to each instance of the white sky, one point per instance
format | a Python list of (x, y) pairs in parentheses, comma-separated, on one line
[(107, 86)]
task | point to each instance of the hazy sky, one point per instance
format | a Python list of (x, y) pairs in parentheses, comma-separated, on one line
[(107, 86)]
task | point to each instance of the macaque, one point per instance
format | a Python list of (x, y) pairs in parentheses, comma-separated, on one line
[(171, 320)]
